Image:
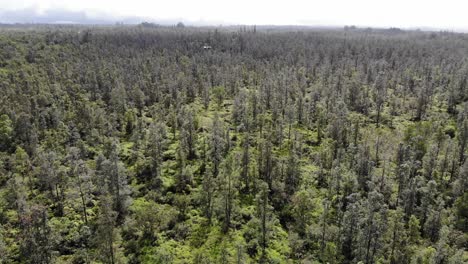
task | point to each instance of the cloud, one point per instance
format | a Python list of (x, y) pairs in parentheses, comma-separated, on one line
[(450, 15), (61, 16), (34, 15)]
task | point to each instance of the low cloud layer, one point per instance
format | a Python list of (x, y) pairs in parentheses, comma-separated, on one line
[(62, 16), (449, 15)]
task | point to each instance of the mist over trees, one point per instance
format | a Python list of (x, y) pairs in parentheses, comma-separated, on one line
[(154, 144)]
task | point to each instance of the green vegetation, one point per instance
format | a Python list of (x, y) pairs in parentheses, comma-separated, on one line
[(135, 144)]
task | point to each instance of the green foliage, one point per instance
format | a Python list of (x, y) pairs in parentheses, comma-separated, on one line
[(219, 94), (461, 207), (6, 132), (151, 217), (139, 145)]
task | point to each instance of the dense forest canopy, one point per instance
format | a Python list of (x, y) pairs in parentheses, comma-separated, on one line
[(150, 144)]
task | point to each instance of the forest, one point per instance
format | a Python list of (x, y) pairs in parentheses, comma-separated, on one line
[(178, 144)]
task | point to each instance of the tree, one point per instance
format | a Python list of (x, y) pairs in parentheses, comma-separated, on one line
[(217, 144), (52, 179), (395, 238), (113, 176), (264, 215), (433, 223), (302, 210), (350, 228), (156, 145), (293, 176), (245, 161), (6, 132), (463, 135), (414, 235), (25, 133), (371, 227), (442, 247), (461, 207), (239, 110), (108, 238), (228, 178), (152, 217), (208, 193), (22, 166), (187, 132), (81, 177), (423, 99), (35, 237), (219, 93), (3, 249), (266, 162), (118, 99)]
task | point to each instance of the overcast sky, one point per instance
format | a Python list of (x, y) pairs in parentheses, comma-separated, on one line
[(446, 14)]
